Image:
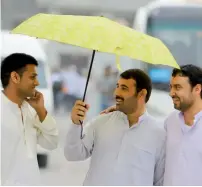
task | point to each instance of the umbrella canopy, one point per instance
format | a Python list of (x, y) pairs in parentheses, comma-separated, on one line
[(99, 34)]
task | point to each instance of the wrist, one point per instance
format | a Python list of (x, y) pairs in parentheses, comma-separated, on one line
[(75, 122), (42, 113), (40, 109)]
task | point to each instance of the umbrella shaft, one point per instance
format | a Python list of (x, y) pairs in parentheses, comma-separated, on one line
[(89, 72)]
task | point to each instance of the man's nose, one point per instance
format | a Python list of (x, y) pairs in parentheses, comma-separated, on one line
[(117, 92), (36, 83), (171, 93)]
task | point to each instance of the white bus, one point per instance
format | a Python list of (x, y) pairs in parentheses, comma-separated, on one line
[(179, 25)]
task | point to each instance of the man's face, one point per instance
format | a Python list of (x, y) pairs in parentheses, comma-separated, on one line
[(181, 93), (28, 81), (126, 96)]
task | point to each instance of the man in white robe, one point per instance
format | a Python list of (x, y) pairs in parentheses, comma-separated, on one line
[(24, 121)]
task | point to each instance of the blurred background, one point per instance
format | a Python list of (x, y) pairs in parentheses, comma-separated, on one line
[(63, 69)]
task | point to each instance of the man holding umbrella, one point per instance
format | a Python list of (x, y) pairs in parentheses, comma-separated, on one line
[(126, 147)]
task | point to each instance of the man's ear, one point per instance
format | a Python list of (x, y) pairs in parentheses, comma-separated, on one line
[(143, 93), (15, 77), (198, 88)]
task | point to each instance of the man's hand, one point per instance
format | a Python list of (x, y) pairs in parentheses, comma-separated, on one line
[(108, 110), (37, 102), (79, 112)]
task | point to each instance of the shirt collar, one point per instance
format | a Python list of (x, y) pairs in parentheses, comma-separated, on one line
[(196, 117), (8, 102), (140, 120), (143, 116)]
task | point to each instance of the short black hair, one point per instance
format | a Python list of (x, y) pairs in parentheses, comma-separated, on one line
[(194, 74), (15, 62), (142, 80)]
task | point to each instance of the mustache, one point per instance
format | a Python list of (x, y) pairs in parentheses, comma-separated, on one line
[(117, 97), (175, 97)]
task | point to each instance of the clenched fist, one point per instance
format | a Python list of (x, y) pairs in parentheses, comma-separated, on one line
[(79, 112)]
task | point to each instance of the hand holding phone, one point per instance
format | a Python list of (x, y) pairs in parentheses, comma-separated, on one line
[(37, 101)]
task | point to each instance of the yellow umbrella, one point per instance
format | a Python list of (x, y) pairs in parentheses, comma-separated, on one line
[(98, 34)]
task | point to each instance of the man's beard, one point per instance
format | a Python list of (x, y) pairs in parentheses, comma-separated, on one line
[(127, 106), (183, 106)]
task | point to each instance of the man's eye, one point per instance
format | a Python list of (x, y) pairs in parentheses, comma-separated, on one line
[(123, 88)]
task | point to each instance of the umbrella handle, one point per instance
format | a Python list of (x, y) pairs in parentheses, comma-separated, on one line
[(84, 95)]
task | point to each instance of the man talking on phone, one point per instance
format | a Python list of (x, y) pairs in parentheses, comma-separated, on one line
[(25, 121)]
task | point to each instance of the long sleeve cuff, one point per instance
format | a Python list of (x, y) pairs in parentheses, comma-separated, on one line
[(48, 124)]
